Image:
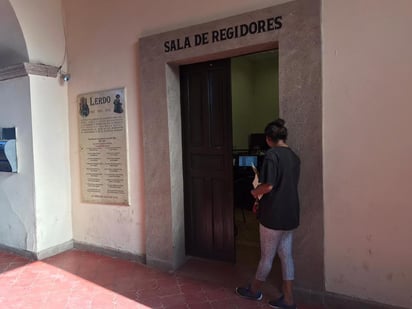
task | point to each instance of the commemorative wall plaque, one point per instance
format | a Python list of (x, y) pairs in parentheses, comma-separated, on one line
[(103, 147)]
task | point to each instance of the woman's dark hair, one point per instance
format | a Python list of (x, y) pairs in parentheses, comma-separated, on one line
[(276, 130)]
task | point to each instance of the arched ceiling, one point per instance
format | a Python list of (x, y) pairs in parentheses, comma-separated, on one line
[(13, 48)]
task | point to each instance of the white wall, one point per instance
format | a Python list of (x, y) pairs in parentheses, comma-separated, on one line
[(42, 25), (12, 45), (51, 161), (17, 220), (35, 202), (36, 205), (367, 148)]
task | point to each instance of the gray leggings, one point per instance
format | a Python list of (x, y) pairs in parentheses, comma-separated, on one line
[(272, 241)]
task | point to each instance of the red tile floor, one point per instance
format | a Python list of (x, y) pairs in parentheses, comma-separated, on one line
[(79, 279)]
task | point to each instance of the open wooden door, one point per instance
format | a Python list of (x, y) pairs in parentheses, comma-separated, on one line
[(207, 159)]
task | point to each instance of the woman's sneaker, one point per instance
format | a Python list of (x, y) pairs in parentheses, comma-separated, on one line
[(280, 304), (245, 292)]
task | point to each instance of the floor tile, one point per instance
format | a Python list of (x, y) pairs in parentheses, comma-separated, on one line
[(80, 280)]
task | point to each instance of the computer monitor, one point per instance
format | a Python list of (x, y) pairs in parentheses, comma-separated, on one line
[(248, 160)]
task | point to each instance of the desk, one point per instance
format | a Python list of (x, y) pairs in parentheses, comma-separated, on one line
[(242, 185)]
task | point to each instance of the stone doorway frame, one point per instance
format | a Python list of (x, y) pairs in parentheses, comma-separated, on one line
[(300, 103)]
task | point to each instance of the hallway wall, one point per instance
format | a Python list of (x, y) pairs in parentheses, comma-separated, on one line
[(12, 44), (367, 147), (102, 41), (51, 162), (42, 26), (17, 219), (366, 91), (36, 202)]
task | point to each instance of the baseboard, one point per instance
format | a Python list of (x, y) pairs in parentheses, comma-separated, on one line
[(76, 245), (41, 255), (110, 252), (337, 301), (159, 264), (44, 254), (23, 253)]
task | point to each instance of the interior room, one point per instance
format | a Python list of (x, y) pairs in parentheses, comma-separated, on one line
[(255, 102)]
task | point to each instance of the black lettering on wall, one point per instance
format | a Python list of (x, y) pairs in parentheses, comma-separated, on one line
[(201, 39), (223, 34), (271, 24), (167, 46), (244, 29), (278, 22), (187, 42), (215, 36), (261, 26), (253, 28)]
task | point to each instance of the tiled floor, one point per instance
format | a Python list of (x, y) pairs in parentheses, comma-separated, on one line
[(79, 279)]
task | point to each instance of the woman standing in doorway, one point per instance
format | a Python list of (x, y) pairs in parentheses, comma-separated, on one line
[(278, 214)]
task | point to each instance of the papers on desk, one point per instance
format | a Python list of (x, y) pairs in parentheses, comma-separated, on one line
[(255, 181)]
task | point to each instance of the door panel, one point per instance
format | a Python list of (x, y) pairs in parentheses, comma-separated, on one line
[(207, 148)]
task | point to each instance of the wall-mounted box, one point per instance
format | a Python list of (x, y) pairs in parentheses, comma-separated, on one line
[(8, 155)]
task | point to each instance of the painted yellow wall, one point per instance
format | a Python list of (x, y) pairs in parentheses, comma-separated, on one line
[(255, 95), (242, 96), (266, 96), (367, 148)]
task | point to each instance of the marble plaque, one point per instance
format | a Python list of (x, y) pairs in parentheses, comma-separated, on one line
[(103, 147)]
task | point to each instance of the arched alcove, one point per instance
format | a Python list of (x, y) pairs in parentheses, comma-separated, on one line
[(13, 48), (35, 216)]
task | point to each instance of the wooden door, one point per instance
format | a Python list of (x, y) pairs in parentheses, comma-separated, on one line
[(207, 149)]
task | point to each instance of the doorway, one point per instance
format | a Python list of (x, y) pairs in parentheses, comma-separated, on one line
[(225, 105), (300, 91)]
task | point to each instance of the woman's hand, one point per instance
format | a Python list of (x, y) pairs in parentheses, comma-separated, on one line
[(261, 189)]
